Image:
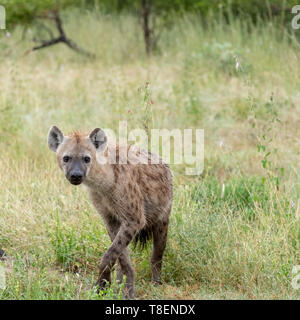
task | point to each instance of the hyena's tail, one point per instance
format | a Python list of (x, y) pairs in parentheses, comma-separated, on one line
[(143, 237)]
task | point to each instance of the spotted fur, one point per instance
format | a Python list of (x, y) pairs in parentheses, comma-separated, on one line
[(134, 201)]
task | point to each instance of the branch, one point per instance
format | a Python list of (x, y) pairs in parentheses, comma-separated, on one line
[(62, 38)]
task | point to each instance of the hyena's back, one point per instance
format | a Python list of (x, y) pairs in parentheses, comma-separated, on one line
[(136, 183), (155, 184), (146, 178)]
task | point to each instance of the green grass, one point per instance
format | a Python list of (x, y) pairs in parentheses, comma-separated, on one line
[(234, 233)]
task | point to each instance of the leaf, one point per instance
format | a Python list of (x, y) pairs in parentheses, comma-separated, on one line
[(267, 154)]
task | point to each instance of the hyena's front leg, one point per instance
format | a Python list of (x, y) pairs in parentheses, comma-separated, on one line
[(120, 243), (124, 266)]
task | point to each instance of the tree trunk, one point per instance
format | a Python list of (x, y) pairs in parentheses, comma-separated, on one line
[(145, 13)]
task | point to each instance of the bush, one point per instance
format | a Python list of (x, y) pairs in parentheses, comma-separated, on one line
[(25, 12)]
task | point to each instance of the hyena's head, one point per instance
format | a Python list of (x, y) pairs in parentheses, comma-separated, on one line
[(76, 153)]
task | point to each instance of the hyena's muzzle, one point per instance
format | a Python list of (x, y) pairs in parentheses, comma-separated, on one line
[(76, 172)]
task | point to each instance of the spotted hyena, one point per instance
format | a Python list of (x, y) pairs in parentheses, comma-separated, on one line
[(133, 196)]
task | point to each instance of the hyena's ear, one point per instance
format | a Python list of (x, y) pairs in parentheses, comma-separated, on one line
[(55, 138), (99, 139)]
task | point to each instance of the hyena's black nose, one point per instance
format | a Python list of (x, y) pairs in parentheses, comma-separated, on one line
[(76, 178)]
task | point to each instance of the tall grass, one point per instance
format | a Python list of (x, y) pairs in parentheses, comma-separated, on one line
[(234, 233)]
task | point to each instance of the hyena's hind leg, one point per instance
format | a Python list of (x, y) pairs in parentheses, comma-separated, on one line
[(160, 232), (124, 266)]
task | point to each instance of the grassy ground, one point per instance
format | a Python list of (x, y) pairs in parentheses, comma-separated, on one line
[(239, 243)]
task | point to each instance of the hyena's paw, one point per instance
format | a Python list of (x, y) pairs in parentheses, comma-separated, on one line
[(156, 282), (128, 292), (103, 283)]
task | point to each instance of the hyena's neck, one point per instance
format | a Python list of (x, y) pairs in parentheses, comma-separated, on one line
[(100, 179)]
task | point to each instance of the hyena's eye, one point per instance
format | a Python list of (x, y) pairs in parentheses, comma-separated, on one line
[(66, 158), (87, 159)]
